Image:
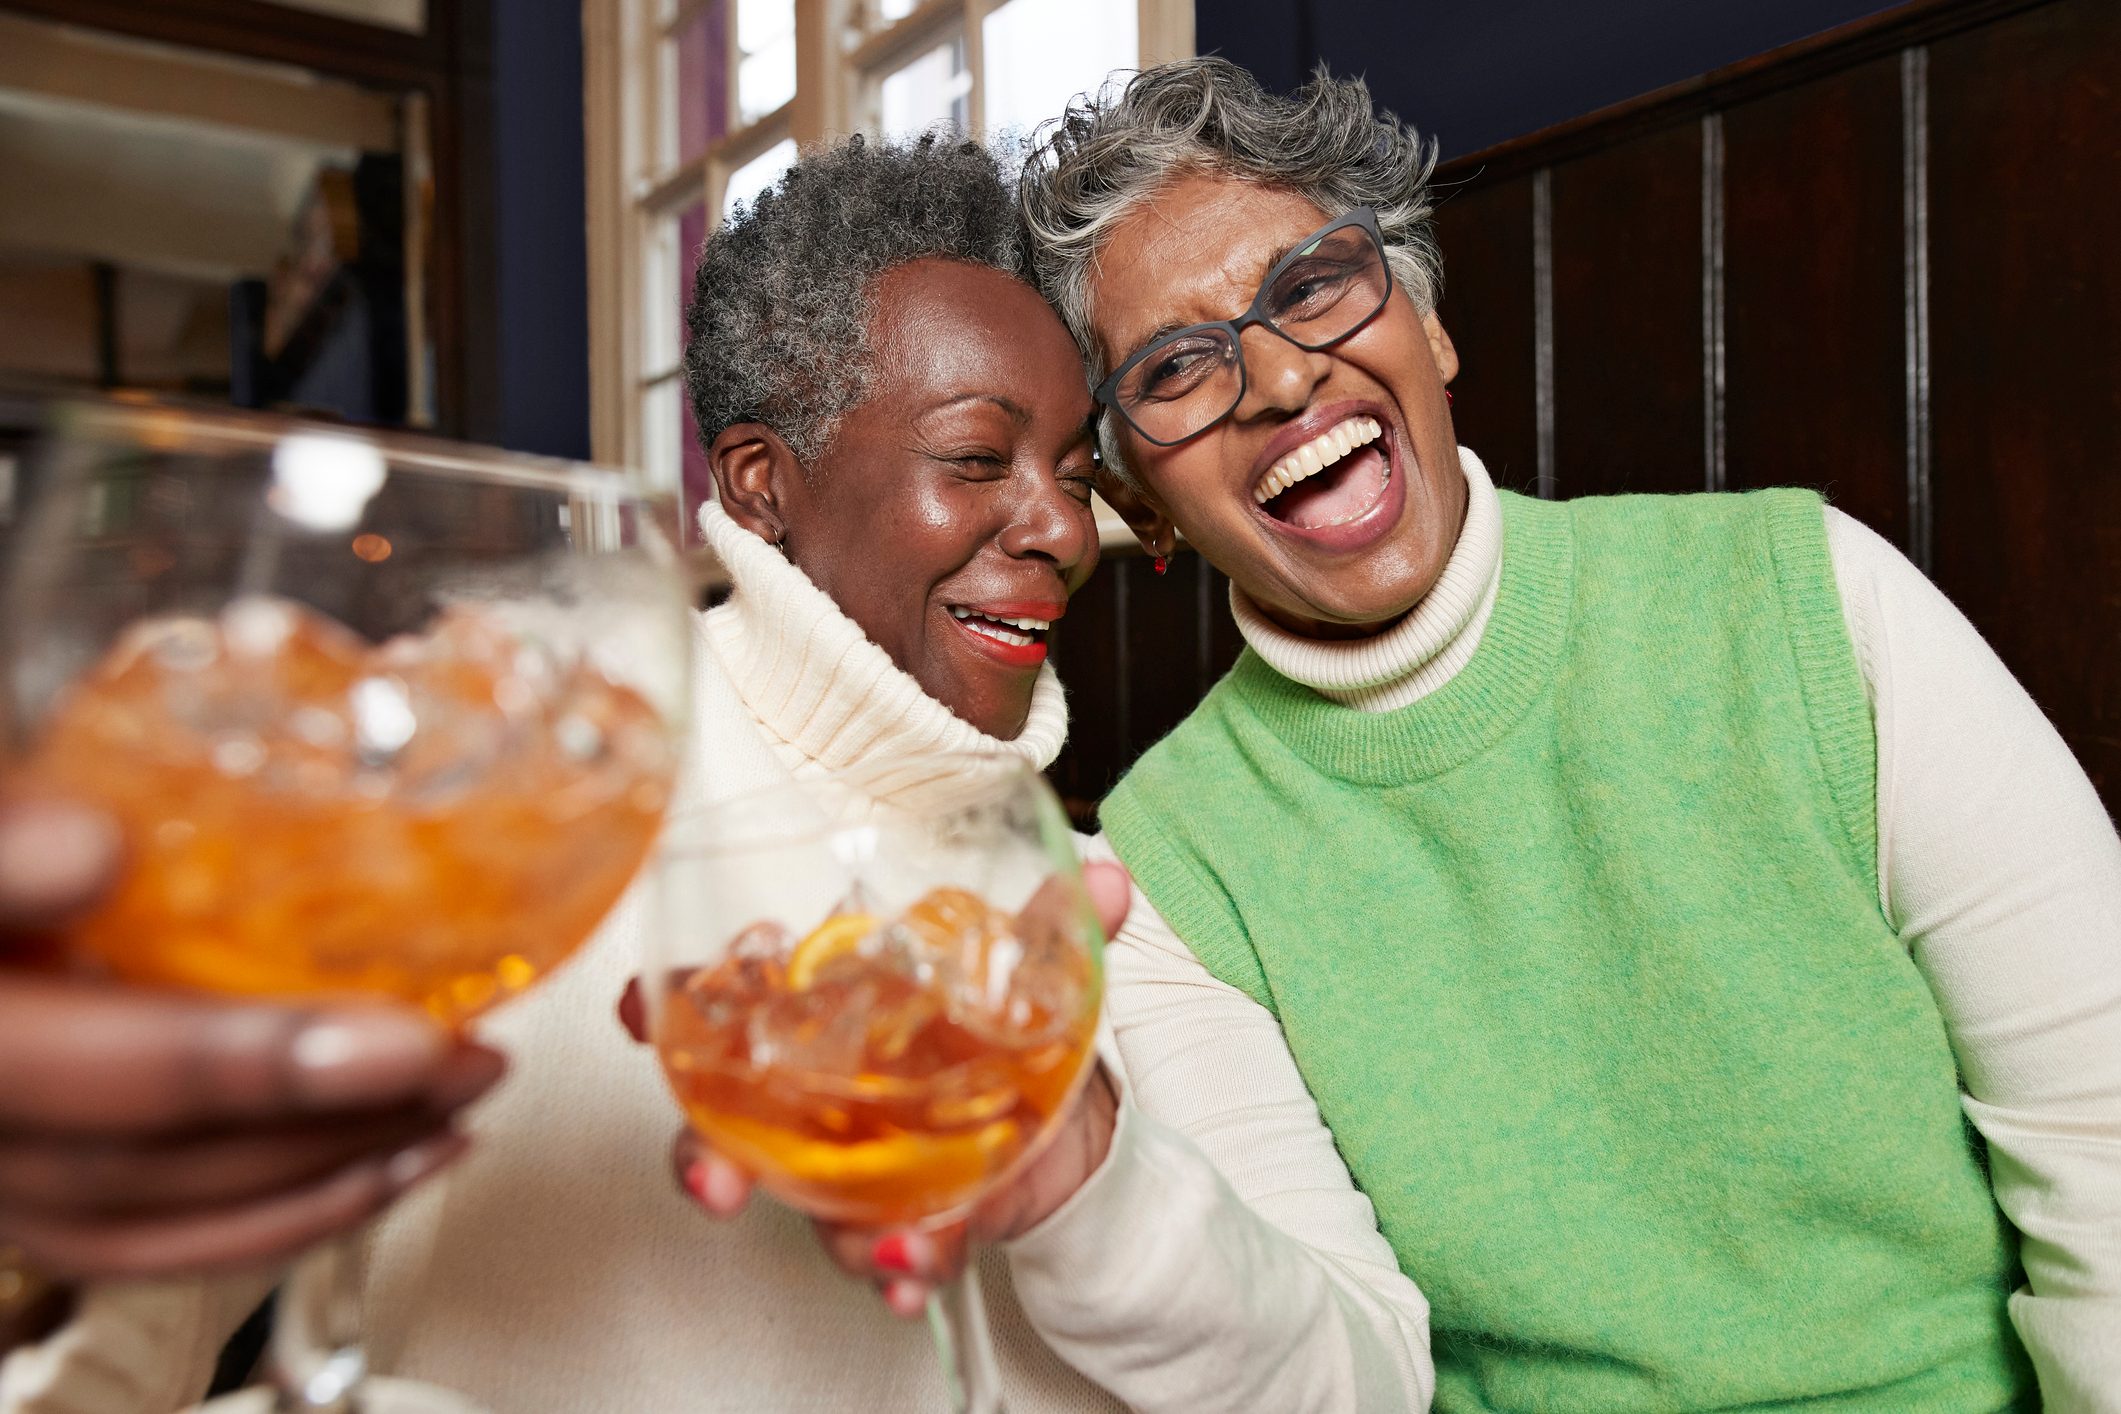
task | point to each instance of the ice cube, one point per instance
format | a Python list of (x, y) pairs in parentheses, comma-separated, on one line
[(973, 1095), (902, 1010), (822, 1030)]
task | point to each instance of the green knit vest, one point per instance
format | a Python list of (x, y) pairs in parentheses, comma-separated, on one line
[(1582, 956)]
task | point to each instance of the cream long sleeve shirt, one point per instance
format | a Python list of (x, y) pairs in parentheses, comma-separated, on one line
[(556, 1269), (1997, 864)]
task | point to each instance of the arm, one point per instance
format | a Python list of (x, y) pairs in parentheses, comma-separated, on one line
[(1220, 1258), (2002, 872)]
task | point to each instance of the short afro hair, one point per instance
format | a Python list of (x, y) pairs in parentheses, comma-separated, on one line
[(781, 300)]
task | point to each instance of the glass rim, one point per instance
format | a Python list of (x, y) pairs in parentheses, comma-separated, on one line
[(730, 826), (169, 426)]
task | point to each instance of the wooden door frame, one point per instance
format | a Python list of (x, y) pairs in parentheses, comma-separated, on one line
[(450, 65)]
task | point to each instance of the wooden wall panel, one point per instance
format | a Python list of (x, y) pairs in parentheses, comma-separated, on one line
[(2025, 152), (1138, 651), (1166, 629), (1627, 317), (1815, 353), (1485, 234), (1090, 646)]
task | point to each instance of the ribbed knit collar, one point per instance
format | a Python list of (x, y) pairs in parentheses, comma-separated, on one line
[(1422, 651), (831, 698), (1513, 665)]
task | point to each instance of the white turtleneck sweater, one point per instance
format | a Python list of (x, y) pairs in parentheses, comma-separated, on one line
[(556, 1268), (1996, 863)]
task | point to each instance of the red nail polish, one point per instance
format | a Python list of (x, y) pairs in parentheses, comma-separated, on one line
[(696, 1181), (892, 1253)]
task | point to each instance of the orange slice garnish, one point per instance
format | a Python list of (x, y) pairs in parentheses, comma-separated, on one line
[(837, 937)]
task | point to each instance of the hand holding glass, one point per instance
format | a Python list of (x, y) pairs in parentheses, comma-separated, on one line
[(881, 1021), (378, 720)]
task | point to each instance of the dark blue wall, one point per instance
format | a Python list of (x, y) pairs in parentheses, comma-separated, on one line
[(541, 260), (1478, 71)]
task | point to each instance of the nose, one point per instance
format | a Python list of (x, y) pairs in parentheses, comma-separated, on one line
[(1279, 376), (1047, 523)]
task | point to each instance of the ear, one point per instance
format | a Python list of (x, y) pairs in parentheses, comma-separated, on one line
[(1441, 349), (1139, 510), (753, 473)]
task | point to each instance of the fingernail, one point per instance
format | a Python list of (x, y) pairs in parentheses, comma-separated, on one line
[(906, 1298), (906, 1252), (698, 1176), (53, 855), (408, 1166), (356, 1058), (725, 1187)]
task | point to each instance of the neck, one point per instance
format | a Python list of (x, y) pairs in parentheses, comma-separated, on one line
[(829, 698), (1376, 667)]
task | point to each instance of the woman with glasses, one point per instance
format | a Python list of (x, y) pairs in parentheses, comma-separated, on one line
[(1706, 957)]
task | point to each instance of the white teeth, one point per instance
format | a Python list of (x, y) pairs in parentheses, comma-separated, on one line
[(1000, 628), (1316, 455)]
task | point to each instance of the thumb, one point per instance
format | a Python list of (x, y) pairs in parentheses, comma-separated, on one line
[(55, 857), (1111, 893)]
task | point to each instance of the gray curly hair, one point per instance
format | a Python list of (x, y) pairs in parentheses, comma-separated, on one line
[(783, 293), (1110, 152)]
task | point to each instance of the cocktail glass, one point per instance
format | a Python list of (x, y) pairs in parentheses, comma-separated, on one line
[(378, 717), (882, 1011)]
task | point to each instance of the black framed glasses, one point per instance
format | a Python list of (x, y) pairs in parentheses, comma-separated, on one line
[(1184, 382)]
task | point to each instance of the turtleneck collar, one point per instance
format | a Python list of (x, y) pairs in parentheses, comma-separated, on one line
[(1421, 652), (832, 701)]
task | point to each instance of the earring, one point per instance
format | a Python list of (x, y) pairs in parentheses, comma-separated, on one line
[(1447, 398), (1161, 564)]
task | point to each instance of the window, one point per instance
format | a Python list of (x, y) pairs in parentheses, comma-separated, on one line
[(695, 106)]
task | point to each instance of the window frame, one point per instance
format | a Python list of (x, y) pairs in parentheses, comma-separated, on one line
[(843, 52)]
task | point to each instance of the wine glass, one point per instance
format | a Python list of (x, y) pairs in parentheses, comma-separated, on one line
[(881, 1010), (377, 716)]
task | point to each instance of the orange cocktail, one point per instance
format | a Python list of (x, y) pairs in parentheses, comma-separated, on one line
[(439, 819), (884, 1072)]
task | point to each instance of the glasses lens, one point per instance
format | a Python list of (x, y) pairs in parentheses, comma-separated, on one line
[(1181, 385), (1328, 289)]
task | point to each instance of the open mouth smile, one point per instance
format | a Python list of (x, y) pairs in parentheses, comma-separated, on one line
[(1340, 489), (1014, 634)]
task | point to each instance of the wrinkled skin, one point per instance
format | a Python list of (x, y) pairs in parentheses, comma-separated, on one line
[(1197, 252), (971, 458)]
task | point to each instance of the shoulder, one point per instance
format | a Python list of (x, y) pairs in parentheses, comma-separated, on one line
[(1780, 510)]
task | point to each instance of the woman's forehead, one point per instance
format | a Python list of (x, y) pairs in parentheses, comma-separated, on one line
[(1195, 252), (959, 333)]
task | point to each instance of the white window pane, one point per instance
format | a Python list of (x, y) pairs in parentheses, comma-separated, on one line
[(889, 10), (1041, 53), (931, 89), (662, 433), (747, 181), (765, 41), (662, 302)]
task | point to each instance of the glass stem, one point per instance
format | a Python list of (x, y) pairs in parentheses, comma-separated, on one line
[(957, 1318), (317, 1360)]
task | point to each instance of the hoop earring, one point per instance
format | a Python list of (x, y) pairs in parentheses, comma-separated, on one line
[(1161, 564)]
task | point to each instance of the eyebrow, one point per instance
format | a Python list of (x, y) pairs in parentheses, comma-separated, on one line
[(1016, 411), (1280, 254)]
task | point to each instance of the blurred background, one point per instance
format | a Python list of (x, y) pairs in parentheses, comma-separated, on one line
[(1687, 246)]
